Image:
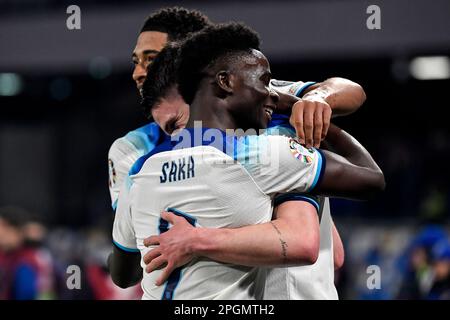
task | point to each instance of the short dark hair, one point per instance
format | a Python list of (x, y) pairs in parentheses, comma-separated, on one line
[(161, 76), (177, 22), (203, 48)]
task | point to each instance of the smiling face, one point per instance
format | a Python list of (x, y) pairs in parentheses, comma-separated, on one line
[(149, 44), (252, 101)]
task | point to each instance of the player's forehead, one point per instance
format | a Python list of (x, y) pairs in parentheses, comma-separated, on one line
[(150, 41), (255, 61)]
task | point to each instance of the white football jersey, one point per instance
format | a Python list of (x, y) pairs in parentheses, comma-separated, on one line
[(226, 183), (294, 88), (124, 152)]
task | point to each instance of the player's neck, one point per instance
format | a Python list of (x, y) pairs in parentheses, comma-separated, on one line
[(212, 112)]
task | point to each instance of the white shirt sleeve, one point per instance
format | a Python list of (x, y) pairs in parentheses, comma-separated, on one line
[(289, 87), (281, 164), (121, 157), (123, 232)]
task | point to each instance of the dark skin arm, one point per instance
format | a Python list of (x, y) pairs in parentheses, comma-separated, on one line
[(310, 115), (342, 95), (350, 170), (125, 268)]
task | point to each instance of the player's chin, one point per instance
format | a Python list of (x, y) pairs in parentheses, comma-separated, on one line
[(259, 121), (265, 120), (261, 124)]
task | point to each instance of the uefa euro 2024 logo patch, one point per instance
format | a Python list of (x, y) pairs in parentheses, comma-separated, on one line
[(300, 152)]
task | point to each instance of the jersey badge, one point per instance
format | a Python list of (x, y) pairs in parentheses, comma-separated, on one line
[(300, 152)]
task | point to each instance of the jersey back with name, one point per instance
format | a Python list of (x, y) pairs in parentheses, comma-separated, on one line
[(210, 188), (206, 194)]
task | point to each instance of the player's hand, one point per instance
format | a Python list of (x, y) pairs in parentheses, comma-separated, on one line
[(173, 247), (311, 119), (285, 102)]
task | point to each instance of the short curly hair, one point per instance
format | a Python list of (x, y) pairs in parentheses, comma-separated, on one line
[(205, 47), (177, 22), (161, 76)]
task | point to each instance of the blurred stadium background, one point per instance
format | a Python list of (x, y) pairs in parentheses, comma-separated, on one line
[(65, 96)]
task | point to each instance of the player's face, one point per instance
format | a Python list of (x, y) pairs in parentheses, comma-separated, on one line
[(171, 113), (253, 100), (149, 44)]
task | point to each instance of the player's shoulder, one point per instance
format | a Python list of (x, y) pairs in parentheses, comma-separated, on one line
[(164, 144), (269, 135), (250, 148), (256, 141), (141, 139), (143, 136), (279, 125), (150, 129), (284, 148), (275, 141)]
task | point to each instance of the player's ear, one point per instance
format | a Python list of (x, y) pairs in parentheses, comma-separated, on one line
[(225, 81)]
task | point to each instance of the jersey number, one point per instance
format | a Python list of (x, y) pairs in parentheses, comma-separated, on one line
[(175, 276)]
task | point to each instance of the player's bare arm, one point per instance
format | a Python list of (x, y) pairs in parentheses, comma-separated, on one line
[(350, 170), (124, 267), (311, 115), (292, 238), (342, 95)]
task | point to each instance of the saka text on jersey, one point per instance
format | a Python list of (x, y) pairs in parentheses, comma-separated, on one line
[(177, 170)]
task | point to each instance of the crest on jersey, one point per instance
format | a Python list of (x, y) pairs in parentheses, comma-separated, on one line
[(112, 173), (300, 152)]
